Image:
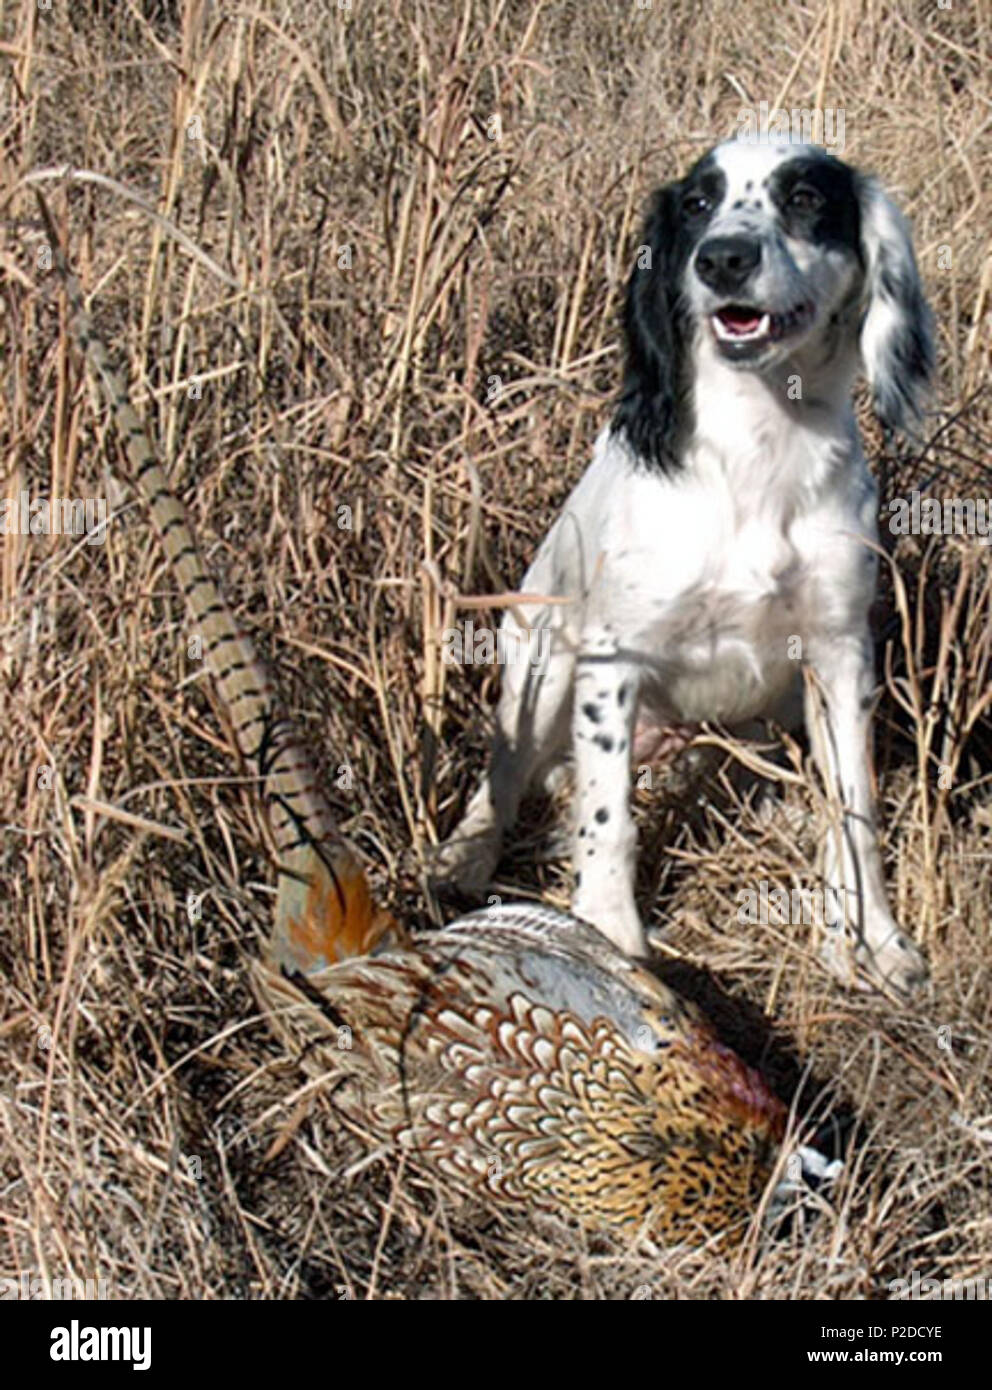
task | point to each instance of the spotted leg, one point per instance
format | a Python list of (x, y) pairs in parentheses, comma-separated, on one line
[(603, 716)]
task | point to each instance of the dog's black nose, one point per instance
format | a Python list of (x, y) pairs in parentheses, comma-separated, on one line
[(724, 263)]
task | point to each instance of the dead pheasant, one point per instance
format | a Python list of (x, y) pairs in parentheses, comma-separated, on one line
[(516, 1051)]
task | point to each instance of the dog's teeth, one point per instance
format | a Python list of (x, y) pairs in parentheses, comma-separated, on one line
[(728, 335)]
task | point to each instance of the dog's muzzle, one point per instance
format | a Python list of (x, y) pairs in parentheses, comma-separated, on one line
[(726, 263)]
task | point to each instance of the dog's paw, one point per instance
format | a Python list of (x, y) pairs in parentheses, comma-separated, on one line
[(464, 865), (887, 958), (895, 962)]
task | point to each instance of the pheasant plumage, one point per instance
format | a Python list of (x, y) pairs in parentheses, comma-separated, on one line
[(515, 1052)]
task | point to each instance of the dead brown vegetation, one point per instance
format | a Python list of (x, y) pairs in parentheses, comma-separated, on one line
[(343, 223)]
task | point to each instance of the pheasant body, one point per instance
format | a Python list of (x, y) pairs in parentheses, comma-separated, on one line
[(518, 1052)]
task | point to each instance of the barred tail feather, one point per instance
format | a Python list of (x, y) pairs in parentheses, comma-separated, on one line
[(324, 908)]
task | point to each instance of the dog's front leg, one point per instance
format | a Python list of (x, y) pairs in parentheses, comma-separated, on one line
[(606, 689), (838, 699), (531, 736)]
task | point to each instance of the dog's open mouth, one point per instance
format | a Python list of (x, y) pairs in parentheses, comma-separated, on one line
[(742, 326)]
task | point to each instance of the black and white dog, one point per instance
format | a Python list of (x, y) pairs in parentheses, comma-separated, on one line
[(725, 526)]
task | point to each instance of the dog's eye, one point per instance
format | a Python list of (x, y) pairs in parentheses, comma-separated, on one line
[(805, 199), (695, 204)]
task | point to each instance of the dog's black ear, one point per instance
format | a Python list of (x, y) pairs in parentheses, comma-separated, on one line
[(897, 327), (650, 413)]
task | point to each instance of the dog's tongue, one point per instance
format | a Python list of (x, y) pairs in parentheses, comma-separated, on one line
[(740, 320)]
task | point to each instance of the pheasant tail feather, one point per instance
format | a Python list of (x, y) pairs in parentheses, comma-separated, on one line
[(324, 908)]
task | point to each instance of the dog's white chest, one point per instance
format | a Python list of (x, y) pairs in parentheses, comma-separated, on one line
[(713, 595)]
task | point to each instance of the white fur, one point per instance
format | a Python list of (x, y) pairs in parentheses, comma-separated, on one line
[(688, 591)]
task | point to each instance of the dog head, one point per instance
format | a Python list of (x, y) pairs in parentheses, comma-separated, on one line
[(766, 254)]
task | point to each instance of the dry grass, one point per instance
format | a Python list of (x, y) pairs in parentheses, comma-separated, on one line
[(153, 1134)]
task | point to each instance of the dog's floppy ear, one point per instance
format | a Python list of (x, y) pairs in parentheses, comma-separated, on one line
[(897, 327), (649, 413)]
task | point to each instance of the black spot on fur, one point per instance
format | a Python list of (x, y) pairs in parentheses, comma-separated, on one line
[(605, 742), (622, 694), (592, 712), (602, 815), (835, 221)]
